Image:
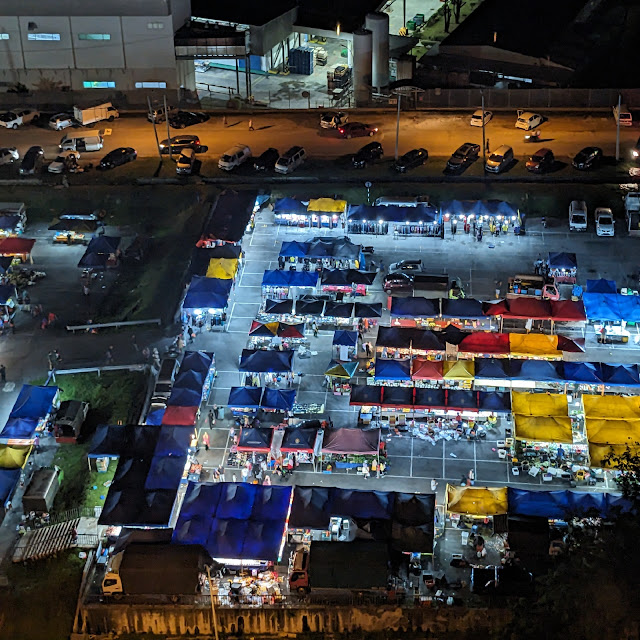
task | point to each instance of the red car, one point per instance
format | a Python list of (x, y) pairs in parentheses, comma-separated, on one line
[(356, 129)]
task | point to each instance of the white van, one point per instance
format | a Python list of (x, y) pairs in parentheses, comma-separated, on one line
[(234, 157), (82, 141), (396, 201), (157, 113), (290, 160), (622, 115), (500, 159), (527, 120)]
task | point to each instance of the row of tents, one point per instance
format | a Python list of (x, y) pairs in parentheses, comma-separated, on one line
[(310, 306), (324, 247)]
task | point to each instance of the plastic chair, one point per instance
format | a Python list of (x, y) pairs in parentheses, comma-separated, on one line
[(515, 471)]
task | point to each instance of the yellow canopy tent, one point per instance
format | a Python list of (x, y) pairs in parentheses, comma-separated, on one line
[(598, 451), (222, 268), (614, 407), (458, 370), (543, 428), (14, 457), (327, 205), (476, 501), (539, 404), (613, 431), (534, 344)]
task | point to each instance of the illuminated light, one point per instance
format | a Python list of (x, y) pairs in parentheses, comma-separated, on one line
[(634, 154), (338, 29), (380, 221), (198, 312), (212, 310)]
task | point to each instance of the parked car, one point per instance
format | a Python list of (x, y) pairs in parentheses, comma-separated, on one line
[(178, 143), (356, 130), (367, 155), (8, 155), (588, 158), (477, 119), (578, 215), (290, 160), (333, 119), (64, 161), (234, 157), (466, 153), (267, 160), (13, 119), (500, 159), (186, 161), (182, 119), (61, 121), (32, 161), (527, 120), (410, 160), (605, 224), (118, 157), (542, 160), (406, 265), (397, 281)]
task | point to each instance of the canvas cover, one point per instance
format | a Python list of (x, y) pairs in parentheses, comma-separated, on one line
[(477, 501), (222, 268), (534, 344)]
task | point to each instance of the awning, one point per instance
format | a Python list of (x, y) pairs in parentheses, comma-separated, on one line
[(526, 308), (14, 456), (244, 397), (568, 311), (424, 369), (222, 268), (351, 441), (16, 246), (33, 402), (533, 344), (255, 439), (279, 307), (485, 342), (200, 361), (368, 310), (189, 379), (8, 293), (365, 395), (266, 329), (491, 368), (18, 429), (601, 286), (477, 501), (415, 307), (392, 369), (429, 398), (291, 331), (345, 338), (311, 307), (543, 429), (540, 404), (338, 310), (173, 441), (620, 374), (289, 205), (399, 397), (327, 205), (341, 369), (537, 370), (612, 407), (494, 401), (184, 398), (395, 337), (186, 416), (562, 260), (207, 293), (458, 370), (463, 308), (425, 340), (278, 399), (582, 372), (299, 440), (294, 249), (462, 400), (229, 216), (279, 278), (260, 361)]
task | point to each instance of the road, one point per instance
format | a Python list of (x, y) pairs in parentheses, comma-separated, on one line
[(439, 133)]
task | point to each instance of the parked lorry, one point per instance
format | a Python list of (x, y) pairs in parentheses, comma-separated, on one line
[(89, 115), (42, 490), (155, 569), (632, 212), (527, 286)]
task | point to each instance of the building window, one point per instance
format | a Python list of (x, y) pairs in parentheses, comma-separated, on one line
[(155, 25), (99, 84), (94, 36), (43, 36), (4, 36), (151, 85)]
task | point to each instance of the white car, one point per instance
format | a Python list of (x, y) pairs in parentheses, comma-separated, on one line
[(605, 224), (527, 120), (477, 120), (63, 161), (9, 155), (578, 215), (13, 119), (61, 121)]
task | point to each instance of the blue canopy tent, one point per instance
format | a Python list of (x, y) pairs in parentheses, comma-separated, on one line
[(548, 504), (93, 260), (392, 369), (137, 507), (154, 418), (426, 398), (491, 368), (278, 278), (173, 441), (184, 398), (259, 361), (245, 398), (9, 479), (189, 379), (140, 441), (464, 308), (33, 402), (194, 530), (601, 286), (462, 399), (368, 310), (425, 340), (365, 212), (310, 307), (294, 249), (494, 401), (7, 293), (338, 310), (275, 278), (537, 370), (397, 397), (625, 375), (18, 429), (365, 505), (289, 205), (365, 395), (415, 307), (108, 440), (562, 260), (255, 439), (278, 399), (583, 372), (103, 244), (199, 361), (397, 337), (345, 338), (165, 472), (207, 293)]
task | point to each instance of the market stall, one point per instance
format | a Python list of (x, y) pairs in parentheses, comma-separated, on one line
[(338, 376), (291, 212), (230, 217), (207, 299), (278, 284), (346, 344), (420, 220), (392, 373), (278, 400), (244, 400), (466, 313), (102, 253), (309, 308), (563, 267), (473, 509), (338, 314), (201, 258), (272, 367), (223, 268), (18, 248), (406, 342), (71, 229), (349, 448), (496, 214), (276, 335), (414, 311), (326, 213), (346, 281), (304, 442)]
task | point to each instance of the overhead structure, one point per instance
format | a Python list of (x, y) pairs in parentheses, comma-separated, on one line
[(362, 61), (378, 24)]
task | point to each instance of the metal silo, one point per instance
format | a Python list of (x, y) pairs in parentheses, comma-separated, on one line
[(378, 24), (362, 51)]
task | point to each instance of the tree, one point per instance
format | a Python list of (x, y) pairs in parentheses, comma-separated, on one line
[(457, 8), (628, 463), (446, 12)]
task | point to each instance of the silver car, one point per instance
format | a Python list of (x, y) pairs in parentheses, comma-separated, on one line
[(13, 119), (61, 121), (8, 155)]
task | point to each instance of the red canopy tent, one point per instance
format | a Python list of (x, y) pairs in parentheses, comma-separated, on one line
[(424, 369), (354, 441), (568, 311), (525, 308), (484, 342), (180, 416), (17, 247)]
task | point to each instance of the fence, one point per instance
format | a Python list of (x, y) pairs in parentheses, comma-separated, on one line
[(111, 325)]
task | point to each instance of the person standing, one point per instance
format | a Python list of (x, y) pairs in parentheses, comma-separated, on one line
[(251, 125), (3, 373), (434, 485), (365, 470), (498, 288), (109, 355), (471, 476), (205, 441), (212, 418)]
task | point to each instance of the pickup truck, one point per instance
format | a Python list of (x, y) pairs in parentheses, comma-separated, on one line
[(527, 286), (578, 215)]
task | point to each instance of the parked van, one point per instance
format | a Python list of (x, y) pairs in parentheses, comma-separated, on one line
[(186, 160), (527, 120), (82, 141), (234, 157), (623, 115), (578, 220), (500, 159), (157, 113), (289, 161), (396, 201)]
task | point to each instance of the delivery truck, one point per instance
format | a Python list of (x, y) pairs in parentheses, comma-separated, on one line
[(89, 115)]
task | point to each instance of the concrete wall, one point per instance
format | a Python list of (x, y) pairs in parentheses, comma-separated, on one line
[(181, 620), (86, 8)]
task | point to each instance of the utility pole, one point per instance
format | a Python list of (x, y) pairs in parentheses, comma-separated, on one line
[(484, 140), (155, 131), (213, 606), (618, 130), (398, 125), (166, 117)]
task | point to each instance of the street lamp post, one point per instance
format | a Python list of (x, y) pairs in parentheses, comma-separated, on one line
[(484, 139), (398, 125), (618, 130), (213, 607)]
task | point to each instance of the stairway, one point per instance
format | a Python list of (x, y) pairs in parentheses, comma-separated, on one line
[(47, 541)]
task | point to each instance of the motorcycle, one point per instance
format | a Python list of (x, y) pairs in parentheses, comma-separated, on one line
[(532, 137)]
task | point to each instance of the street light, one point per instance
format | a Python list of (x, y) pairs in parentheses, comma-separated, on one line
[(484, 140), (213, 607)]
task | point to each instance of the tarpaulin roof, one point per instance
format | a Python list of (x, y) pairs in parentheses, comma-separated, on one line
[(397, 337), (347, 277), (458, 370), (540, 404), (300, 439), (291, 331), (562, 260), (386, 369), (134, 506), (14, 456), (421, 214), (525, 308), (353, 441), (16, 246), (571, 345), (173, 441), (538, 370), (165, 472), (478, 501), (201, 257), (229, 215), (601, 286), (18, 429), (197, 360), (278, 307), (368, 310), (207, 293), (338, 310), (234, 519), (33, 402), (278, 399), (9, 479), (533, 344), (289, 205), (568, 311), (430, 398), (612, 407), (260, 361), (222, 268), (9, 222), (478, 208), (255, 439), (103, 244), (93, 260), (279, 278), (462, 399), (294, 249), (365, 395), (416, 307), (186, 416), (397, 397), (462, 308), (263, 329), (154, 417), (322, 247), (494, 401), (543, 428), (620, 374), (310, 307), (485, 342), (491, 368), (425, 340), (366, 505), (584, 372), (131, 440), (423, 369), (327, 205), (345, 338), (189, 379), (612, 307), (184, 398), (245, 397), (108, 440), (311, 507), (341, 369)]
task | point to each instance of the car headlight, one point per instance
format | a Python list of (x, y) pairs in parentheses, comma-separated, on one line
[(634, 154)]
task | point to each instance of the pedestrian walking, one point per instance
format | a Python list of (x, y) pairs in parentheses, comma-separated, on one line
[(251, 125), (244, 474), (454, 226), (498, 288), (36, 444), (224, 120), (134, 343), (109, 355), (221, 470), (3, 373), (314, 326), (486, 146), (205, 441), (212, 418), (434, 486), (471, 476), (365, 470)]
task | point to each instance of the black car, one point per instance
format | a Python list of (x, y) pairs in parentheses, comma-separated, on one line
[(356, 130), (178, 143), (398, 281), (588, 158), (182, 119), (542, 160), (32, 161), (464, 154), (267, 160), (118, 157), (369, 153), (410, 160)]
